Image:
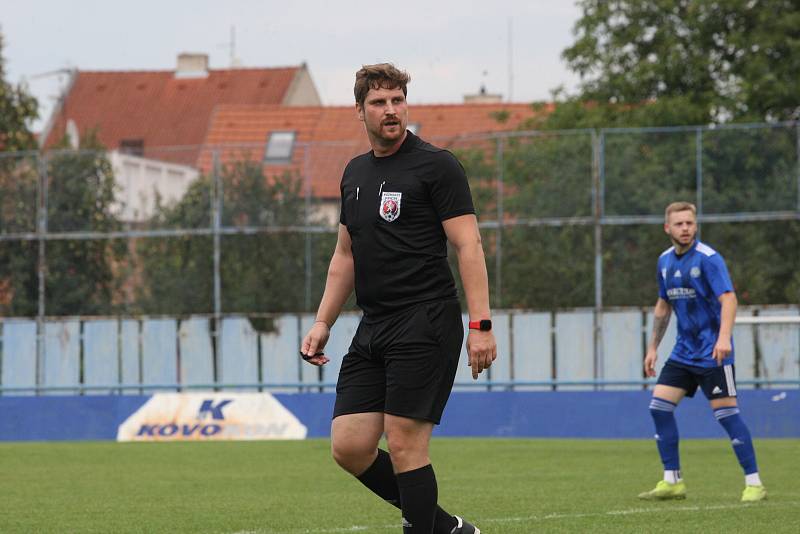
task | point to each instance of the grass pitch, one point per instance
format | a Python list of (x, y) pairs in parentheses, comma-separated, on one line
[(505, 486)]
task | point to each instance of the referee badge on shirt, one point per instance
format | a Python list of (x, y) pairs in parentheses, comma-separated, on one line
[(389, 209)]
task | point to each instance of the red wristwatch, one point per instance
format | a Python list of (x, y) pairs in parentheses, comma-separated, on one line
[(484, 325)]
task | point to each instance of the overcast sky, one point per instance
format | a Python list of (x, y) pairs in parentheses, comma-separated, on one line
[(450, 47)]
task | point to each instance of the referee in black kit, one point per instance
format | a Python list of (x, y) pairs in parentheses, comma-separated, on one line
[(401, 203)]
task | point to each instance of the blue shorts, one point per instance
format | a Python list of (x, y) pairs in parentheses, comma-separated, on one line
[(716, 382)]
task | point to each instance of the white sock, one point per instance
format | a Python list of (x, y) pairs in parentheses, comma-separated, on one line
[(752, 479), (672, 476)]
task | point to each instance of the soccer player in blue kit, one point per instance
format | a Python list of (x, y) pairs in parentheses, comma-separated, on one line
[(694, 282)]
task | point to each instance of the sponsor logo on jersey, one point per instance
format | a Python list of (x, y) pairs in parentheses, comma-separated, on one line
[(389, 209), (681, 293), (677, 274), (695, 272), (664, 273)]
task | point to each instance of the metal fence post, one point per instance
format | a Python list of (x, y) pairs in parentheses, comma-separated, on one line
[(307, 223), (498, 258), (699, 175), (216, 223), (597, 209), (41, 265), (797, 130)]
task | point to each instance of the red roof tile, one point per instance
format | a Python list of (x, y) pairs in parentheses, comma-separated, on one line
[(163, 110), (328, 137)]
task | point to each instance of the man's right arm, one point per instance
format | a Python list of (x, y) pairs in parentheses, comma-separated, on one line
[(661, 316), (338, 287)]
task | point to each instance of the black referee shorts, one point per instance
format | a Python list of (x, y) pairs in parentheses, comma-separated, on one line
[(403, 365)]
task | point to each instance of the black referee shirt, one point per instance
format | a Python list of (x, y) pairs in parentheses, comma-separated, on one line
[(393, 208)]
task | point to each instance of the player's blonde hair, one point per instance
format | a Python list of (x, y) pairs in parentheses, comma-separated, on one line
[(379, 76), (679, 206)]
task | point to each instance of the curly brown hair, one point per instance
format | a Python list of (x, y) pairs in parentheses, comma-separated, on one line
[(379, 76)]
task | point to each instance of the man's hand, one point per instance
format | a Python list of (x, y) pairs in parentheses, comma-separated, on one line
[(650, 362), (314, 342), (482, 351), (722, 349)]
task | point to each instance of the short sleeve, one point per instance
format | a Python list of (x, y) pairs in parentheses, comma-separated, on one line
[(345, 176), (449, 188), (342, 218), (662, 288), (717, 275)]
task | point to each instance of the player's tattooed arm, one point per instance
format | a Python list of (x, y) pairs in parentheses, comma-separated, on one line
[(661, 316), (660, 325)]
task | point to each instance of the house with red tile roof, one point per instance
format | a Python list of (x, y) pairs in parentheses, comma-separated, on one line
[(316, 143), (164, 127), (142, 112), (154, 122)]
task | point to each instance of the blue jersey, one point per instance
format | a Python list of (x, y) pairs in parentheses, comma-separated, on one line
[(692, 283)]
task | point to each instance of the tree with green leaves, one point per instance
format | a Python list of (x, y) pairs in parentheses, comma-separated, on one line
[(80, 275), (688, 61), (18, 196), (84, 276), (18, 109), (666, 63), (261, 271), (644, 64)]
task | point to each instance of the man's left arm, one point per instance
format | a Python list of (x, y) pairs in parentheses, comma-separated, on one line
[(727, 316), (462, 232)]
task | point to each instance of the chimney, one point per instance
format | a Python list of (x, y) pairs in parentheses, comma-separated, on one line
[(192, 65), (483, 97)]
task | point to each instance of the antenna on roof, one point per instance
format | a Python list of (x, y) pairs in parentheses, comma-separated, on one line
[(64, 77), (231, 46), (60, 75), (510, 61)]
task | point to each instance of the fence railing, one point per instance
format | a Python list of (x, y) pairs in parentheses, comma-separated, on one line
[(537, 350), (570, 219)]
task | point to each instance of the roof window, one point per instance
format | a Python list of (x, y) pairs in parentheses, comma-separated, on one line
[(279, 147), (134, 147)]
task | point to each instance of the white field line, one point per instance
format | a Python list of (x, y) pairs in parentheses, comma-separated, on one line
[(544, 517)]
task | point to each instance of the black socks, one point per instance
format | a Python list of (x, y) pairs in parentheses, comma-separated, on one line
[(382, 481), (418, 494)]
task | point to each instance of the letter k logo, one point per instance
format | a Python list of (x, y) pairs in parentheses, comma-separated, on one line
[(216, 411)]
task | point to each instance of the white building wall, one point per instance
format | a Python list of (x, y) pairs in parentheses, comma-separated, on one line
[(142, 181)]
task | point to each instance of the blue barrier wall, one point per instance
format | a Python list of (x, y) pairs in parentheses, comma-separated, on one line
[(68, 417), (580, 414)]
